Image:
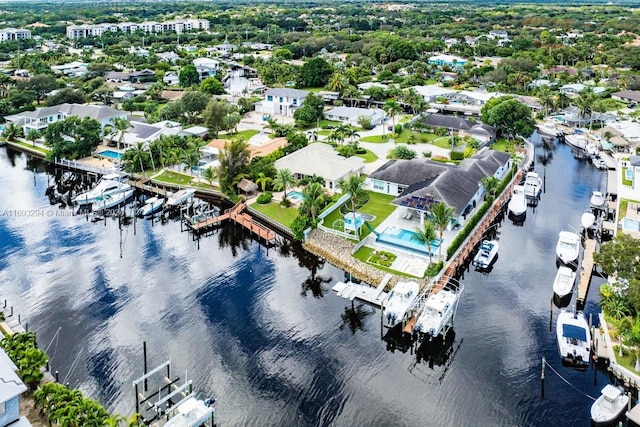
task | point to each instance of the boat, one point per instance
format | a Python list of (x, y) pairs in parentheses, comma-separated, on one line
[(179, 197), (548, 128), (110, 200), (599, 163), (574, 339), (104, 187), (399, 300), (486, 254), (438, 312), (564, 281), (191, 412), (597, 199), (518, 203), (577, 141), (151, 206), (568, 246), (587, 220), (532, 185), (610, 405)]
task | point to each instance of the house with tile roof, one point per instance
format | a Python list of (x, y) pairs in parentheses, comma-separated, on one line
[(420, 183)]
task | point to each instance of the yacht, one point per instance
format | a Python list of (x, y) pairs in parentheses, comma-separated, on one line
[(438, 312), (548, 128), (564, 281), (151, 206), (532, 185), (486, 254), (518, 203), (574, 339), (598, 199), (179, 197), (587, 220), (104, 187), (110, 200), (399, 300), (568, 246), (610, 405)]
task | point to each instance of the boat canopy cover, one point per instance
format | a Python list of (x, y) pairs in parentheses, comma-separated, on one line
[(486, 245), (574, 332)]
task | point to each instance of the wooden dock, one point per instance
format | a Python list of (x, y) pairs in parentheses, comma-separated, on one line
[(237, 215), (586, 270), (365, 293), (142, 184)]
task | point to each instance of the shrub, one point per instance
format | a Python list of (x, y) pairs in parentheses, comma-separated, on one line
[(298, 226), (434, 269), (382, 258), (398, 129), (285, 203), (361, 150), (427, 154), (456, 155), (264, 198), (365, 122)]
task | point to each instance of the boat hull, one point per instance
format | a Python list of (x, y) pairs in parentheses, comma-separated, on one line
[(574, 339)]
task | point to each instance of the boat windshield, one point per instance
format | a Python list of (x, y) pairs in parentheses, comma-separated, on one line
[(567, 245), (573, 332)]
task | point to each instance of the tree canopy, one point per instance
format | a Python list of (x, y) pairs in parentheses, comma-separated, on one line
[(72, 138), (510, 116)]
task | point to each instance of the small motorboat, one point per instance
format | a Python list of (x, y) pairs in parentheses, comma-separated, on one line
[(105, 187), (399, 300), (111, 200), (151, 206), (574, 339), (486, 254), (587, 220), (179, 197), (568, 246), (518, 203), (532, 185), (610, 405), (564, 281), (191, 412), (597, 199), (438, 312)]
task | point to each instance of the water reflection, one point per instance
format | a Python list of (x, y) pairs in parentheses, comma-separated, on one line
[(354, 317)]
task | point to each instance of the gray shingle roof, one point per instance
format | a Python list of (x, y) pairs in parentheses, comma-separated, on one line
[(286, 92), (450, 122), (408, 172)]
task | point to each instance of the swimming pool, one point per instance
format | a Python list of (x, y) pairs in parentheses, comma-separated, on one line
[(295, 196), (110, 154), (558, 119), (630, 224), (404, 239)]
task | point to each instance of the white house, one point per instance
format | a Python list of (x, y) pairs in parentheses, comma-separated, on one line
[(14, 34), (320, 159), (171, 78), (10, 391), (207, 62), (282, 101), (41, 118), (572, 89), (432, 92), (351, 115), (447, 61), (170, 57)]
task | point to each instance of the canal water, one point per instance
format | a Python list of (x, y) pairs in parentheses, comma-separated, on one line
[(262, 332)]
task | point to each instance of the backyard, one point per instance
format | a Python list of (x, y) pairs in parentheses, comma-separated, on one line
[(273, 210), (378, 205)]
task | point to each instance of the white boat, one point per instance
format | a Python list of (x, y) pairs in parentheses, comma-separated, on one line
[(180, 197), (597, 199), (568, 246), (191, 412), (564, 281), (518, 203), (532, 185), (486, 254), (397, 303), (574, 338), (103, 188), (549, 129), (587, 220), (151, 206), (111, 200), (438, 312), (609, 406), (578, 141), (599, 163)]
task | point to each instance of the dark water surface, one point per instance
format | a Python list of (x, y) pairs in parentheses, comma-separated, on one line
[(263, 332)]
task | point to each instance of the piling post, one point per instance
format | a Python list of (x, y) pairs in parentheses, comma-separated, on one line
[(19, 319), (144, 356), (11, 314), (550, 314), (57, 379), (542, 376)]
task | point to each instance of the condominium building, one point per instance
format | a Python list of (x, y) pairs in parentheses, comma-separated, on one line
[(175, 25), (14, 34)]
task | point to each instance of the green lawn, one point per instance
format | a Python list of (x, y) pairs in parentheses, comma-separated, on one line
[(324, 132), (32, 147), (244, 134), (324, 123), (173, 177), (284, 216), (368, 157), (500, 145), (365, 252), (405, 137), (378, 205)]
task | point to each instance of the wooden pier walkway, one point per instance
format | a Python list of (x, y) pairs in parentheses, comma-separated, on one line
[(142, 184), (586, 270), (235, 214)]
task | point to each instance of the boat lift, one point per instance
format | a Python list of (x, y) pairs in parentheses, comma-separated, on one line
[(418, 306)]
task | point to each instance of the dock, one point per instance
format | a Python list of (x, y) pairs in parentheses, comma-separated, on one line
[(143, 184), (586, 270), (237, 215), (365, 293)]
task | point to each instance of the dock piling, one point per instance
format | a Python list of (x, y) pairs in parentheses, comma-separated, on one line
[(550, 314), (144, 356), (542, 376)]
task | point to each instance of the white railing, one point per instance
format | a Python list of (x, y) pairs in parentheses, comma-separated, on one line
[(84, 167)]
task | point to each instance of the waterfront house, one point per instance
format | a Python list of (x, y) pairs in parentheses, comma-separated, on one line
[(432, 92), (144, 133), (320, 159), (419, 183), (10, 391), (282, 101), (351, 115), (41, 118), (443, 60), (463, 127)]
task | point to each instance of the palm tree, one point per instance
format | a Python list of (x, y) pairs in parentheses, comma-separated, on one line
[(209, 173), (441, 216), (138, 156), (490, 184), (351, 133), (584, 102), (113, 421), (12, 132), (392, 107), (284, 179), (314, 198), (354, 185), (119, 127), (337, 83), (190, 160), (32, 135), (424, 235), (133, 420), (234, 158), (546, 98), (263, 181)]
